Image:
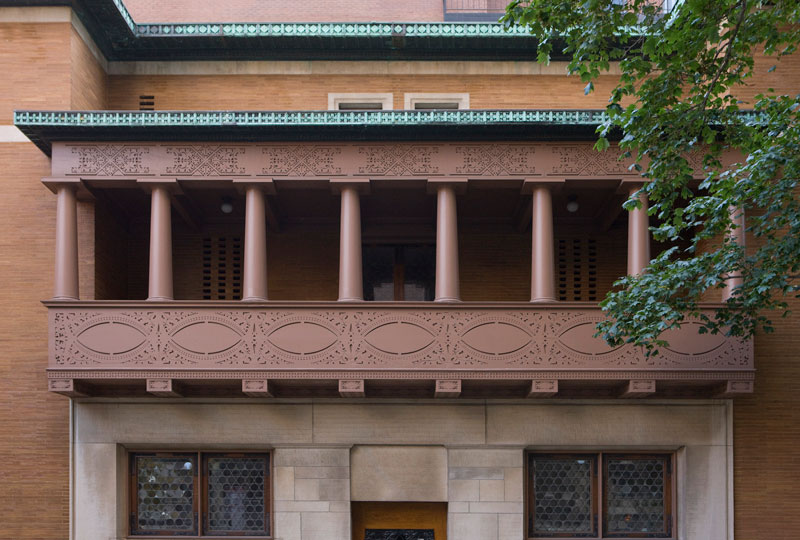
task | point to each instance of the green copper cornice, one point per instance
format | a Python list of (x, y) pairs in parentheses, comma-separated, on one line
[(45, 127), (121, 38), (584, 117)]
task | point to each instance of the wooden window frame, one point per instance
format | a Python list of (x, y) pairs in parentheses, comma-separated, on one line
[(599, 491), (200, 499), (399, 265)]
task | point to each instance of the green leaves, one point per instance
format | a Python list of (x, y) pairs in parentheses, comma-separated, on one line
[(678, 97)]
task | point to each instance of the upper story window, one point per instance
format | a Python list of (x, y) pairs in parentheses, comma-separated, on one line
[(428, 101), (599, 495), (399, 272), (200, 494), (360, 102)]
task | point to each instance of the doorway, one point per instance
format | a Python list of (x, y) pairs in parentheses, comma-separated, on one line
[(399, 520)]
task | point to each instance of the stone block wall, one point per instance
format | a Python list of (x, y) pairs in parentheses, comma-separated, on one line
[(311, 493), (485, 494)]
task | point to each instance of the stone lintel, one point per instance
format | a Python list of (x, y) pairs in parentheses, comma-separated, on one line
[(351, 387), (163, 388), (639, 388), (448, 388), (256, 388), (731, 389), (68, 387), (543, 388)]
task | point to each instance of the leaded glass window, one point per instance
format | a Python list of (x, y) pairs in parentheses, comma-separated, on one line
[(237, 496), (636, 492), (170, 491), (165, 494), (599, 495)]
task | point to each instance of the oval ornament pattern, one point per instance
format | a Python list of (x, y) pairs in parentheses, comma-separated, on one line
[(206, 337), (399, 338), (111, 338), (580, 338), (689, 341), (496, 338), (302, 338)]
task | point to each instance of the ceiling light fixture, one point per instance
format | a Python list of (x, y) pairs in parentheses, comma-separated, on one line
[(226, 206), (572, 203)]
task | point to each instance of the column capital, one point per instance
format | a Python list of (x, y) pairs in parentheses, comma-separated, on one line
[(551, 182), (361, 184), (54, 183), (458, 183), (148, 184), (267, 185), (627, 185)]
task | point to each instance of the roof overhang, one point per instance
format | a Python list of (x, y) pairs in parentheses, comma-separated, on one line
[(120, 38), (44, 128)]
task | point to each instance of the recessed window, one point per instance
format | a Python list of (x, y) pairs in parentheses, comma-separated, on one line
[(360, 102), (399, 272), (428, 101), (200, 494), (600, 495)]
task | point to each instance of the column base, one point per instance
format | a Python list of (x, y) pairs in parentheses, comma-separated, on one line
[(350, 300), (255, 299), (160, 299), (447, 299), (64, 298), (543, 299)]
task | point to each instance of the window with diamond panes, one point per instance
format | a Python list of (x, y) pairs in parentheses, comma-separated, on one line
[(599, 495), (198, 494)]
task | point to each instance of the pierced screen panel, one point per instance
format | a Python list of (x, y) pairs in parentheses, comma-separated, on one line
[(577, 269), (635, 496), (222, 268), (237, 495), (562, 496), (165, 494)]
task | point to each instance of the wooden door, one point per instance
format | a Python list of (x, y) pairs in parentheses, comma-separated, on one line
[(399, 515)]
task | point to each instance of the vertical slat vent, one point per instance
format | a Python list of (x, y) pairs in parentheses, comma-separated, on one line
[(222, 268), (577, 269), (147, 103)]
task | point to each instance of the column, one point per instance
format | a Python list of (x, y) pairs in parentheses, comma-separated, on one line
[(160, 280), (638, 234), (447, 286), (351, 287), (736, 235), (543, 282), (254, 279), (65, 285)]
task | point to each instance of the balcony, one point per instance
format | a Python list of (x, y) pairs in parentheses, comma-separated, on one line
[(246, 268), (377, 349)]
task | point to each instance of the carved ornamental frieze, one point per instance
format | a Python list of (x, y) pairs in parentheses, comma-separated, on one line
[(374, 160), (343, 337)]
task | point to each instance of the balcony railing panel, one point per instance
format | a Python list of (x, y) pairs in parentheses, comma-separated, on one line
[(468, 338)]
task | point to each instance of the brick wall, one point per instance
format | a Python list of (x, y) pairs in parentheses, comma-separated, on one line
[(310, 92), (33, 76), (87, 77), (280, 11), (34, 423)]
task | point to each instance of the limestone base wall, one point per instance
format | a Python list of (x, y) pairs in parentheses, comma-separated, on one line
[(469, 454)]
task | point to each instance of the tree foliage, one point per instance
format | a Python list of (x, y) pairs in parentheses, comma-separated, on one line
[(681, 73)]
